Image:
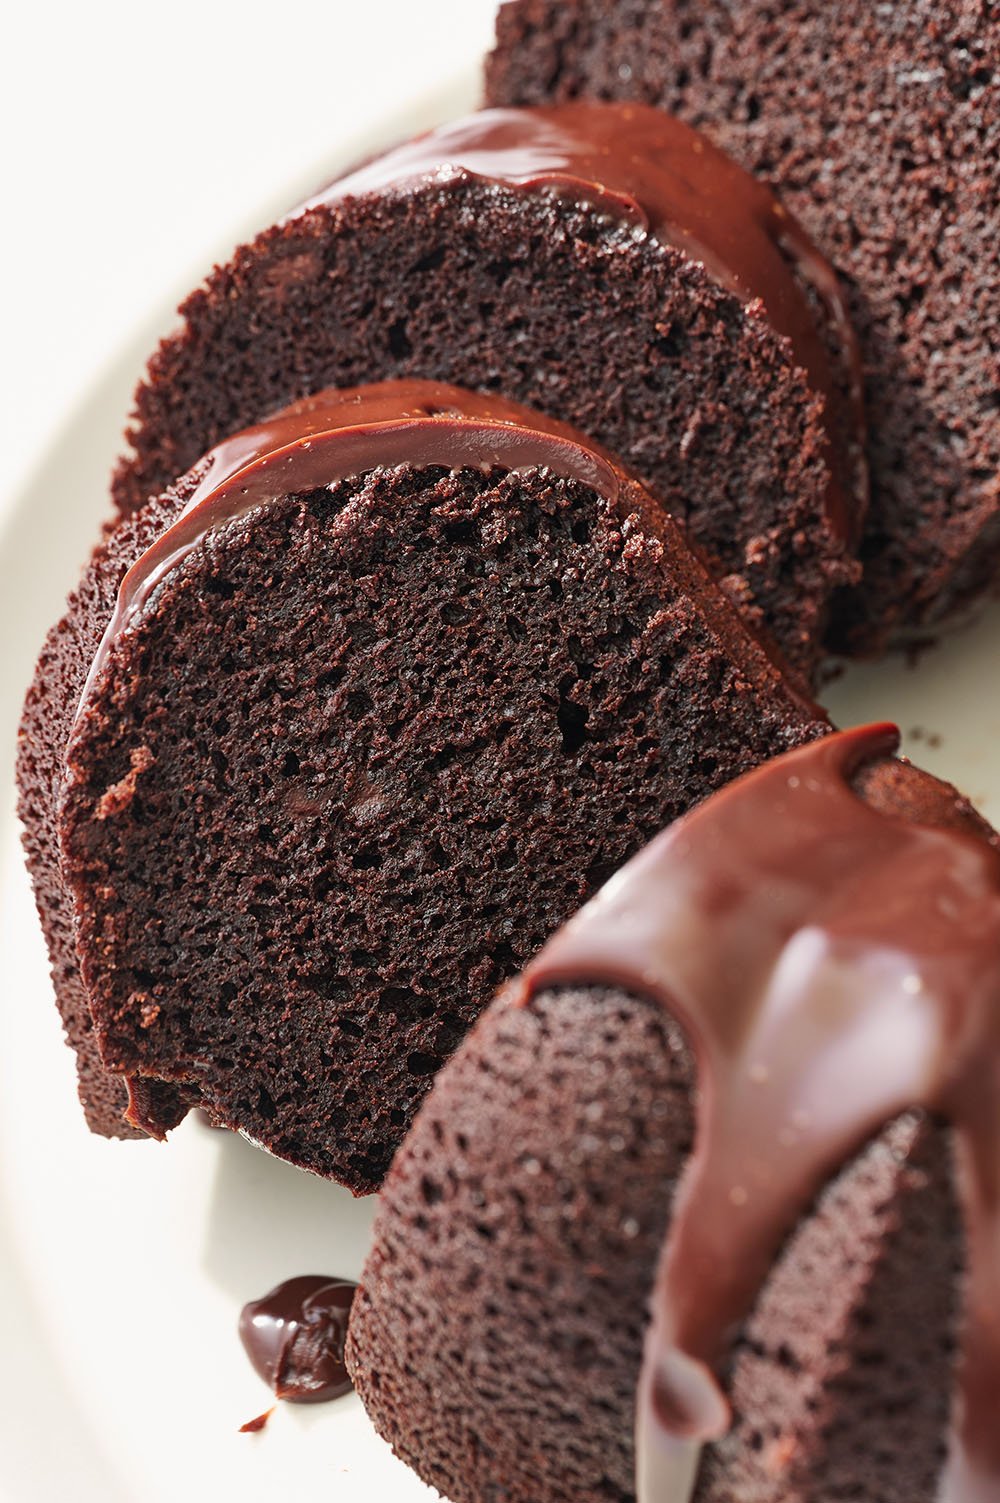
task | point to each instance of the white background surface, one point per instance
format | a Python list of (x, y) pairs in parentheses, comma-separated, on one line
[(138, 137), (139, 142)]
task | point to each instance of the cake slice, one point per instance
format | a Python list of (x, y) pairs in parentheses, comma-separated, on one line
[(724, 1092), (371, 701), (603, 264), (879, 125)]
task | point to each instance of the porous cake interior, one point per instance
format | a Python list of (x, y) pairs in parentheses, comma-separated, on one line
[(364, 751), (548, 303)]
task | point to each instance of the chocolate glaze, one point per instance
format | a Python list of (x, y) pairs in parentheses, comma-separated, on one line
[(642, 166), (338, 434), (258, 1423), (295, 1337), (833, 967)]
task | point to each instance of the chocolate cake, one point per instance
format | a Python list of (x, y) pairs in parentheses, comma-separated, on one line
[(371, 700), (725, 1093), (880, 127), (602, 263)]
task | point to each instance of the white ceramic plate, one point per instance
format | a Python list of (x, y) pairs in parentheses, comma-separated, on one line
[(123, 1266)]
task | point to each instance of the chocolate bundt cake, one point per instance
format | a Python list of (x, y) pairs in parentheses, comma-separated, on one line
[(880, 127), (392, 683), (721, 1094), (601, 263)]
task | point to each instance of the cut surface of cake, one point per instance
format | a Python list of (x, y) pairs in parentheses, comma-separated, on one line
[(604, 264), (879, 125), (680, 1218), (371, 701)]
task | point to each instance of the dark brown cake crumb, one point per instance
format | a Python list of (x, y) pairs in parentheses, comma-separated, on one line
[(399, 731), (549, 303), (880, 127), (117, 799)]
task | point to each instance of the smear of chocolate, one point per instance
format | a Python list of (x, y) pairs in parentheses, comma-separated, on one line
[(254, 1426), (295, 1338)]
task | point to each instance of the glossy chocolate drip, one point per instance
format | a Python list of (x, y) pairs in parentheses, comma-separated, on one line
[(257, 1424), (295, 1337), (336, 435), (833, 966), (662, 177)]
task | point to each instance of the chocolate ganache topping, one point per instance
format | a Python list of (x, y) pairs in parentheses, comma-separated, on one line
[(663, 178), (295, 1337), (338, 434), (833, 966)]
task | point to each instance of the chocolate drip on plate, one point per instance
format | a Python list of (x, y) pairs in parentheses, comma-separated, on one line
[(833, 966), (295, 1337)]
